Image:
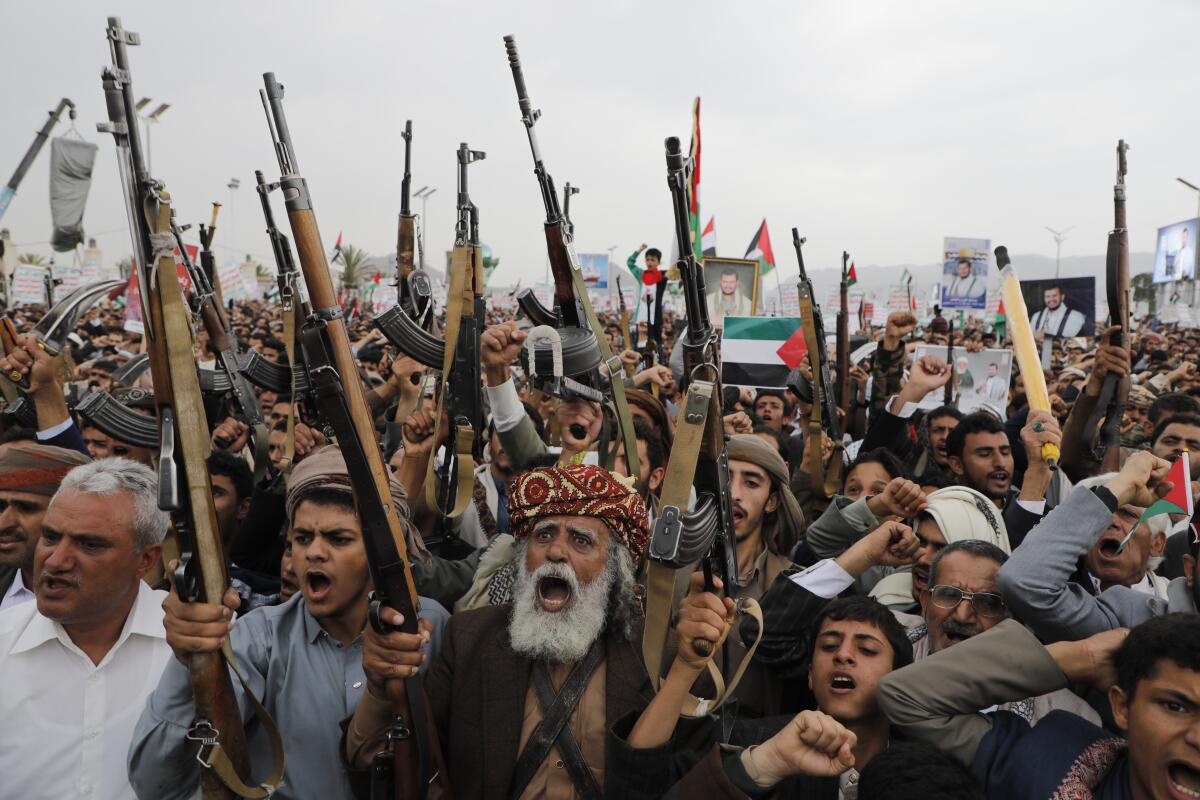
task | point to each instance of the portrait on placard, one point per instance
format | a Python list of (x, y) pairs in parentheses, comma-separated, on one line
[(731, 287), (965, 272), (1061, 307), (982, 379), (1175, 253)]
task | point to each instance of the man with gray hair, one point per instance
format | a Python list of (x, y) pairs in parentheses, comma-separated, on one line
[(81, 660)]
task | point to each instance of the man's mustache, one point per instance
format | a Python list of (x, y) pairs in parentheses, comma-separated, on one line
[(951, 626)]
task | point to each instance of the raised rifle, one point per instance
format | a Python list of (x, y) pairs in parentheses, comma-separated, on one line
[(699, 459), (568, 190), (584, 344), (206, 304), (628, 342), (208, 261), (412, 283), (843, 340), (336, 387), (952, 381), (825, 481), (184, 488), (1114, 392)]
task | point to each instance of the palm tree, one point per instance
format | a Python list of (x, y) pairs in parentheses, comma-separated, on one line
[(33, 259), (354, 261), (1143, 289)]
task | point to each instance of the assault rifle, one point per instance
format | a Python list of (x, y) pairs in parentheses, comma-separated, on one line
[(698, 457), (628, 339), (952, 381), (206, 304), (568, 190), (412, 283), (208, 261), (336, 387), (1114, 393), (584, 344), (184, 488), (824, 418), (843, 340)]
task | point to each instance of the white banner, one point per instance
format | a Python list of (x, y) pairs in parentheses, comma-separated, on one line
[(29, 284), (68, 278)]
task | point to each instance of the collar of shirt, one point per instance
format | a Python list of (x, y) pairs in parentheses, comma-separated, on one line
[(17, 593), (144, 619), (313, 632), (1144, 585)]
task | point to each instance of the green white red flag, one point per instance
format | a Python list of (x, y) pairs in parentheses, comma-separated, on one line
[(694, 182), (1177, 501), (760, 249)]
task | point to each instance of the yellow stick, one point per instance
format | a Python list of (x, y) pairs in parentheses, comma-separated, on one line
[(1026, 352)]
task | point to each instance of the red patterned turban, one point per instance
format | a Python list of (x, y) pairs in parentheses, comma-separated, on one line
[(579, 490)]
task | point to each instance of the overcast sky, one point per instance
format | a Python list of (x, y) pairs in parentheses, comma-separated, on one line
[(876, 127)]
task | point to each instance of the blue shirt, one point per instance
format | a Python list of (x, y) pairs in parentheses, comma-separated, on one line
[(306, 680)]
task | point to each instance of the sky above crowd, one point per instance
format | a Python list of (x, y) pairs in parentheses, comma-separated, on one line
[(875, 127)]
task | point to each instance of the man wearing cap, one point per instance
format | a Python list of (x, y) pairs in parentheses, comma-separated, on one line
[(563, 656), (302, 659), (30, 474)]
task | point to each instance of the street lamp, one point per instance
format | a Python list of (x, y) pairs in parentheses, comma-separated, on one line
[(1195, 189), (233, 184), (1059, 236), (423, 194), (153, 116)]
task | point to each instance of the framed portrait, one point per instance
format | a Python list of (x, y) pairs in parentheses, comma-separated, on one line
[(1061, 307), (731, 287)]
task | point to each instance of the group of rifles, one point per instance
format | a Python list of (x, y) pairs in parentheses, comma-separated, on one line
[(610, 630)]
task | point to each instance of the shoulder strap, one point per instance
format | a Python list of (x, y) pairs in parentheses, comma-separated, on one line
[(555, 716)]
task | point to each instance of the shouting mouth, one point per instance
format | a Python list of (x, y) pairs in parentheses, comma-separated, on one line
[(841, 683), (554, 594), (317, 585), (1184, 780), (1109, 548), (1000, 476), (53, 586)]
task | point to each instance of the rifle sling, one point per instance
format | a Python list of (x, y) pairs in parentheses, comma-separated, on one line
[(459, 446), (212, 756), (556, 713), (624, 418)]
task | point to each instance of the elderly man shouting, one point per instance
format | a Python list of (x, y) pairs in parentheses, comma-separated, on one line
[(523, 694)]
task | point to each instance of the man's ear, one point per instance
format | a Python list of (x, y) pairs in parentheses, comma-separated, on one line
[(656, 478), (243, 508), (1158, 543), (772, 502), (147, 559), (1189, 568), (1120, 707), (956, 465)]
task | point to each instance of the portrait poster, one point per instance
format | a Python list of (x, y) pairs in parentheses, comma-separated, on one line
[(731, 288), (982, 379), (1175, 253), (965, 272), (594, 267), (1061, 307)]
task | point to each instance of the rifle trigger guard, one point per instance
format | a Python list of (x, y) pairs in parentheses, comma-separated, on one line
[(202, 731)]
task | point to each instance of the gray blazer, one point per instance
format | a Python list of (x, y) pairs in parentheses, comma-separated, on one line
[(1036, 580), (937, 699)]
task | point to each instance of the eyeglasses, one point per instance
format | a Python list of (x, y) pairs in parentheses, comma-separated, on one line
[(986, 604)]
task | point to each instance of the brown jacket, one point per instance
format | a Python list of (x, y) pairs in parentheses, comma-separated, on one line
[(476, 689)]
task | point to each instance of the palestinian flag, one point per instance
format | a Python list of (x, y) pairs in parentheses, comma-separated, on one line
[(851, 275), (1178, 501), (694, 181), (761, 351), (760, 249), (905, 278), (708, 239), (337, 249)]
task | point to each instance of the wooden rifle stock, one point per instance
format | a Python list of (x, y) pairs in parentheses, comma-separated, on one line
[(335, 382)]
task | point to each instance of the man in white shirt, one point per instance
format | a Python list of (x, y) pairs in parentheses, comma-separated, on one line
[(80, 662), (965, 284), (29, 475), (1055, 318), (1185, 258), (994, 388)]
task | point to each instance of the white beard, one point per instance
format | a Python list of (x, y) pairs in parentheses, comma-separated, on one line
[(561, 637)]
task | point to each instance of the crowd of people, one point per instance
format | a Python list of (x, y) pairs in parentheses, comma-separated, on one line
[(957, 620)]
